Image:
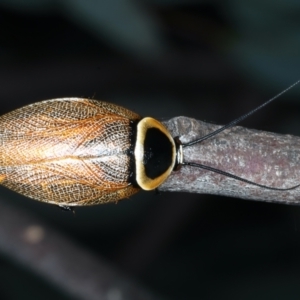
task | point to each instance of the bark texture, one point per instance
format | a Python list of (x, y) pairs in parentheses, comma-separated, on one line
[(262, 157)]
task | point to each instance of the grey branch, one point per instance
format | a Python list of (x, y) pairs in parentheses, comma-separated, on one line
[(262, 157)]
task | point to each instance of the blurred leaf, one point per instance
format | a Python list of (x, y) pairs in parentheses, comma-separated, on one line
[(122, 23), (28, 5), (268, 43)]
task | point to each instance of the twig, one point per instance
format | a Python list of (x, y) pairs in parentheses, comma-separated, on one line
[(52, 256), (262, 157)]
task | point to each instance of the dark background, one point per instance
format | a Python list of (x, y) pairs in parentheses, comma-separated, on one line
[(211, 60)]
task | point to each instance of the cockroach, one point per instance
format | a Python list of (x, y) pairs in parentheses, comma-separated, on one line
[(77, 151)]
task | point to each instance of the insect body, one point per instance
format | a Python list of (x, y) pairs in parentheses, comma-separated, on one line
[(76, 151)]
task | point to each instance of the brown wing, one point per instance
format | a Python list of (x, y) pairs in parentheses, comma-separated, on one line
[(68, 151)]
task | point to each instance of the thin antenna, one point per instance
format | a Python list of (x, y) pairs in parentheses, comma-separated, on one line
[(237, 177), (234, 122)]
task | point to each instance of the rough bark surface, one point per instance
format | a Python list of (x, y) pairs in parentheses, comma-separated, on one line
[(262, 157)]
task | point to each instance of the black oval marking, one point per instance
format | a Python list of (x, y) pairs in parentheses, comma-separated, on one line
[(157, 153)]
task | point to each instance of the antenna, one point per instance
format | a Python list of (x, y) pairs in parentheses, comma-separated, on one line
[(232, 123), (200, 166), (241, 118)]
